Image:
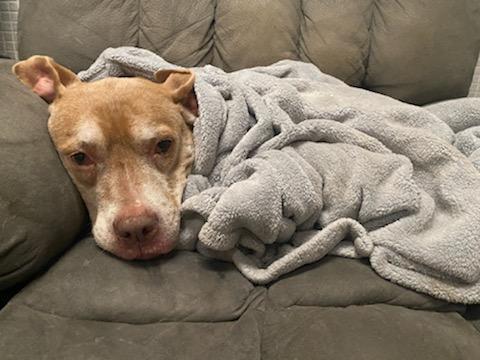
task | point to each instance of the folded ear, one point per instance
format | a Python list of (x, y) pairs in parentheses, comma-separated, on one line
[(180, 85), (44, 76)]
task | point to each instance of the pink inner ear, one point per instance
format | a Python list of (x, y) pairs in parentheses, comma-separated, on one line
[(45, 88), (191, 103)]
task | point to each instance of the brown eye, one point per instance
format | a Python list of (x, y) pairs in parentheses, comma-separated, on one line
[(81, 159), (163, 146)]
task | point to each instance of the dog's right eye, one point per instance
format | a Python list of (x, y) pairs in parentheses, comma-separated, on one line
[(82, 159), (163, 146)]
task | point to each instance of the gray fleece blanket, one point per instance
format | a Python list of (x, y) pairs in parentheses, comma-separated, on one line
[(292, 164)]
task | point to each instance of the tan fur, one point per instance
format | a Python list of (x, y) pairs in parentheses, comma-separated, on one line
[(118, 122)]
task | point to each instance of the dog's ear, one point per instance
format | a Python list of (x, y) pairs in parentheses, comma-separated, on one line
[(44, 76), (180, 85)]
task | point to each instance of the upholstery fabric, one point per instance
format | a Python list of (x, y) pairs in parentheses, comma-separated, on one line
[(92, 305), (416, 51), (8, 28), (40, 210)]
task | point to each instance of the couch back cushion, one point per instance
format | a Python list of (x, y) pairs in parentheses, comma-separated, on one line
[(416, 51)]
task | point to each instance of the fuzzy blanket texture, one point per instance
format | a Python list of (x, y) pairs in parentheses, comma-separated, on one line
[(292, 164)]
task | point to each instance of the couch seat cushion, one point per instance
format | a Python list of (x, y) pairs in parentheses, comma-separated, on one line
[(90, 284), (91, 305)]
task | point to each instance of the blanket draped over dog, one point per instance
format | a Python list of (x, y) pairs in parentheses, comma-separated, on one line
[(292, 164)]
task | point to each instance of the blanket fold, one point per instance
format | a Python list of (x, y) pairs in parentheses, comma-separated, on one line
[(292, 164)]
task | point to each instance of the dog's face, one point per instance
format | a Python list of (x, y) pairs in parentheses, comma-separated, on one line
[(127, 144)]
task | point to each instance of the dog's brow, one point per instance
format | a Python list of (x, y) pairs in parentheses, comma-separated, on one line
[(144, 133), (89, 133)]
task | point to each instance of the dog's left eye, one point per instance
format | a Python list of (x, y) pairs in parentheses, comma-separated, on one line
[(82, 159), (163, 146)]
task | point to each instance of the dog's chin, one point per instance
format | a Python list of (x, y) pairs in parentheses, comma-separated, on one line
[(145, 251)]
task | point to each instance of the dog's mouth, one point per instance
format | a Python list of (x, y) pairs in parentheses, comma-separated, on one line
[(151, 251), (141, 250)]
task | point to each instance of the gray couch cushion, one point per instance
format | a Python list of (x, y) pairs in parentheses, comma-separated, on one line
[(417, 51), (90, 305), (370, 332), (336, 281), (40, 209), (87, 283), (75, 30), (423, 51)]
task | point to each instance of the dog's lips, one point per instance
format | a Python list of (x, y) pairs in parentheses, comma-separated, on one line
[(154, 249), (144, 251)]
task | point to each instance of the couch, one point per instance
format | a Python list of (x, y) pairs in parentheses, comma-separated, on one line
[(64, 298)]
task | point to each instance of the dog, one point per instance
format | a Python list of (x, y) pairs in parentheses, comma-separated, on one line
[(127, 144)]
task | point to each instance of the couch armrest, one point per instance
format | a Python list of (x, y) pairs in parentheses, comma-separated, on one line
[(41, 212)]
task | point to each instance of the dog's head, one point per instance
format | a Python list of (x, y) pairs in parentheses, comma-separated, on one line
[(127, 144)]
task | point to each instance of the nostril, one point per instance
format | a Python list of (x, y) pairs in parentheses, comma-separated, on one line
[(122, 233), (141, 227), (148, 229)]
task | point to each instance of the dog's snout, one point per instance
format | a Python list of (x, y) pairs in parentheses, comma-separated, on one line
[(136, 223)]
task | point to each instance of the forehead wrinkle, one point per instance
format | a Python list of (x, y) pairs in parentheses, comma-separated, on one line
[(142, 131), (89, 133)]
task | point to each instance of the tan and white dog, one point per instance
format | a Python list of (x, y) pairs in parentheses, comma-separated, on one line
[(127, 144)]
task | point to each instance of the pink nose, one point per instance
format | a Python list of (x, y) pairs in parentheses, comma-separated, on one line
[(136, 223)]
